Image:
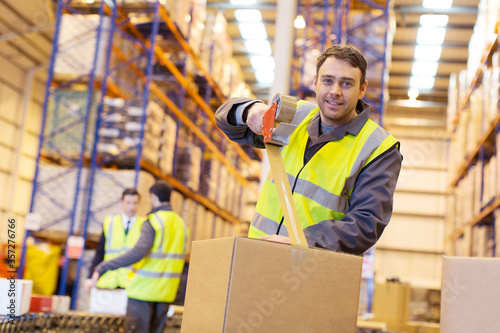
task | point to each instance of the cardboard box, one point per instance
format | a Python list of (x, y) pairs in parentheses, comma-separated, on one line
[(391, 302), (470, 295), (51, 304), (110, 301), (16, 296), (247, 285)]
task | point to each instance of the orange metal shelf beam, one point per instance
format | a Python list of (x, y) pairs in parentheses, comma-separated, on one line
[(190, 194), (188, 122), (472, 86), (487, 211), (160, 54), (463, 169)]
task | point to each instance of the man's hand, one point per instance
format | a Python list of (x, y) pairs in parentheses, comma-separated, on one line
[(256, 116), (276, 239), (88, 284), (95, 277)]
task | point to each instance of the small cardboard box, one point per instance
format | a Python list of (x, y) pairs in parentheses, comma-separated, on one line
[(51, 304), (109, 301), (470, 295), (391, 302), (15, 296), (247, 285)]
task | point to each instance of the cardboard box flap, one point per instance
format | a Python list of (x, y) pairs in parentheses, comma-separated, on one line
[(470, 295)]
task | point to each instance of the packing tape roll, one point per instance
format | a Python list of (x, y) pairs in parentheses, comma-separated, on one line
[(286, 107)]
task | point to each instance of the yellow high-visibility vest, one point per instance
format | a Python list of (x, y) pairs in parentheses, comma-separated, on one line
[(116, 244), (322, 187), (156, 277)]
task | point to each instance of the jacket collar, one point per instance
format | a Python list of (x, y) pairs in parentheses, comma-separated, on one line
[(164, 207), (353, 127)]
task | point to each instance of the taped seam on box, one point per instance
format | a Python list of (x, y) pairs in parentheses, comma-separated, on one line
[(230, 281)]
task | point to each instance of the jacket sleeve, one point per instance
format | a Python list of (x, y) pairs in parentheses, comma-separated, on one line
[(139, 251), (229, 119), (369, 212), (99, 254)]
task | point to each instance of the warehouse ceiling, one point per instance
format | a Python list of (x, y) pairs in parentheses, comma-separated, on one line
[(26, 29)]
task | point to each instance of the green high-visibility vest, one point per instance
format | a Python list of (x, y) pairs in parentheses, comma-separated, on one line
[(322, 187), (156, 277), (117, 243)]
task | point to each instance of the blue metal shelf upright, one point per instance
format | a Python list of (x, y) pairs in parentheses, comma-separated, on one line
[(75, 112), (68, 114)]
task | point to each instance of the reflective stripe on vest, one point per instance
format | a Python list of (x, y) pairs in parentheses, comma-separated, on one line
[(116, 244), (156, 277), (324, 185)]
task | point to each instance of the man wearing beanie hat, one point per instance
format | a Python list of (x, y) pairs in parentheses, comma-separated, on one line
[(157, 262)]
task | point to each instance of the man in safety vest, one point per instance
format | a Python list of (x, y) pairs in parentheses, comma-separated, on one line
[(342, 166), (157, 262), (119, 234)]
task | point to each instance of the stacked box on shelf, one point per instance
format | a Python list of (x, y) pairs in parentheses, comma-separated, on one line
[(496, 221), (218, 227), (201, 223), (108, 187), (210, 176), (482, 241), (216, 48), (53, 205), (124, 77), (490, 180), (77, 45), (189, 17), (189, 216), (451, 212), (177, 201), (167, 147), (187, 169), (121, 129), (452, 100), (474, 130), (64, 119), (494, 98)]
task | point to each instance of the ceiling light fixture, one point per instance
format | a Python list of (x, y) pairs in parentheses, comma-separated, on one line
[(413, 93), (431, 35), (428, 52), (264, 63), (252, 30), (262, 47), (243, 2), (248, 15), (299, 22), (424, 68), (434, 20), (422, 82), (439, 4), (264, 76)]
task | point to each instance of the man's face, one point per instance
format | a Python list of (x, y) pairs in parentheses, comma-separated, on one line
[(130, 204), (338, 89)]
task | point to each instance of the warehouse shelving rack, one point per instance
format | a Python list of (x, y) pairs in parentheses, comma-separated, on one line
[(331, 22), (483, 149), (88, 161)]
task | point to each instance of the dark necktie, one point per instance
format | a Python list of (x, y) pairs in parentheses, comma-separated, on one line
[(128, 224)]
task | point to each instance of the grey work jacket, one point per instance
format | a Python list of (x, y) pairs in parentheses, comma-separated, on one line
[(372, 198)]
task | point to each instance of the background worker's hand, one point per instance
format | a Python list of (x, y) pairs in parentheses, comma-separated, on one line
[(95, 277), (87, 285), (255, 117), (276, 239)]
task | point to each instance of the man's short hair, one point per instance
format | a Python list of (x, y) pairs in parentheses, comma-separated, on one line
[(130, 191), (344, 52), (162, 190)]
